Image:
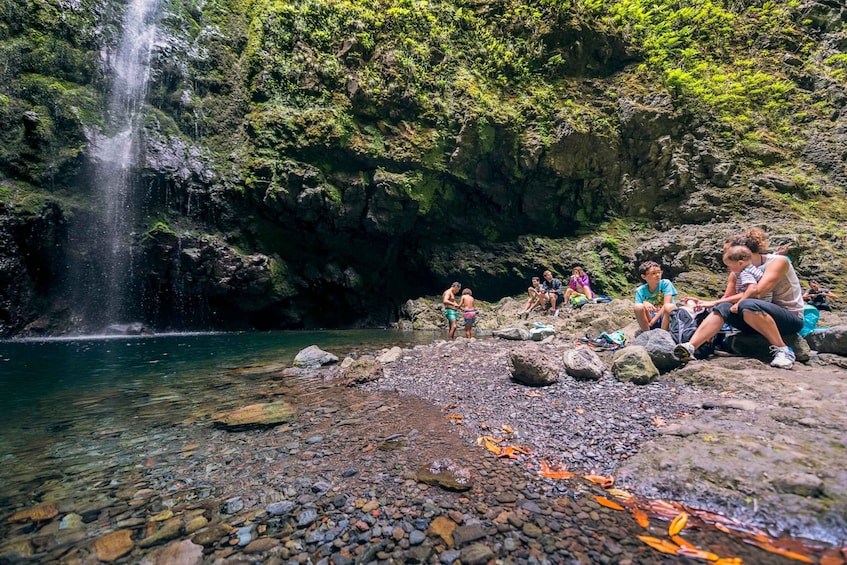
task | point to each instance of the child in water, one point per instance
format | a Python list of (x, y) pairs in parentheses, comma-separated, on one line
[(469, 313)]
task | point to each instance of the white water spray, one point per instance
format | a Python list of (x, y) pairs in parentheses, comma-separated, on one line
[(115, 155)]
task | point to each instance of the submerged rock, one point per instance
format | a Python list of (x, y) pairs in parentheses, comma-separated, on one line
[(255, 415)]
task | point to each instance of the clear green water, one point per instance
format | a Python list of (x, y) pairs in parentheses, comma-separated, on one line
[(33, 371)]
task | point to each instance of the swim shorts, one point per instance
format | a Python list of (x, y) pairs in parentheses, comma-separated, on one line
[(451, 314)]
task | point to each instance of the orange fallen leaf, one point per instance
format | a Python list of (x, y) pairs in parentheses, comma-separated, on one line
[(492, 448), (550, 473), (722, 528), (682, 542), (784, 552), (641, 517), (678, 524), (454, 417), (619, 493), (660, 545), (658, 421), (507, 428), (729, 561), (831, 559), (603, 501), (533, 394), (605, 482), (580, 411), (695, 553)]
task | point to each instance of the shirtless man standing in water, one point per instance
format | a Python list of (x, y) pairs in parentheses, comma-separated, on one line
[(451, 307)]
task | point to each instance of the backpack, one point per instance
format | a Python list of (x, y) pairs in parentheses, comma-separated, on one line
[(810, 319), (577, 300), (682, 326)]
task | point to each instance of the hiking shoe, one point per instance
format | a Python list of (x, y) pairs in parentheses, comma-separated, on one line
[(684, 352), (783, 357)]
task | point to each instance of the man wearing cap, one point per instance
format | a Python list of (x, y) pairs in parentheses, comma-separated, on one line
[(451, 307)]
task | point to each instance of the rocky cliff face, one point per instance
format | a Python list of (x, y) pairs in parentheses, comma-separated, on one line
[(307, 166)]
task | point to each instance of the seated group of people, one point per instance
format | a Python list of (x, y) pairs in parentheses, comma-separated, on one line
[(552, 295), (763, 295)]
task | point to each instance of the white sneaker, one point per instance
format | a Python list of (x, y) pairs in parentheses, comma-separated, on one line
[(783, 357), (684, 352), (555, 313)]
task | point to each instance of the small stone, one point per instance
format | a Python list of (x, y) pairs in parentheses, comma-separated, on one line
[(112, 546)]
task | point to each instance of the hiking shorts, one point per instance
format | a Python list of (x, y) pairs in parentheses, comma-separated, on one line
[(786, 322)]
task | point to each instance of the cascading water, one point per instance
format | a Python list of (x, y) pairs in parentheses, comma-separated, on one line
[(104, 281)]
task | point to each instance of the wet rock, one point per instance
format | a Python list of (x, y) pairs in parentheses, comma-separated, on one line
[(443, 527), (212, 534), (169, 530), (313, 357), (476, 554), (583, 364), (255, 416), (261, 545), (464, 535), (362, 371), (177, 553), (446, 474), (633, 364), (280, 508), (112, 546), (534, 368), (38, 513)]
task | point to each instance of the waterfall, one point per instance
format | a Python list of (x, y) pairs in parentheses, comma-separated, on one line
[(106, 284)]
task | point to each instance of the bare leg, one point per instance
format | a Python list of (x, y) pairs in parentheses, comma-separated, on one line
[(452, 332), (666, 315), (707, 329), (642, 316), (763, 323)]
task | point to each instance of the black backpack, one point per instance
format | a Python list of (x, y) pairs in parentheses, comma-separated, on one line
[(682, 326)]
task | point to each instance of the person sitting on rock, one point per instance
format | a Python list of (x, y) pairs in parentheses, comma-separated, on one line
[(579, 285), (537, 297), (555, 292), (653, 299), (816, 296), (774, 320)]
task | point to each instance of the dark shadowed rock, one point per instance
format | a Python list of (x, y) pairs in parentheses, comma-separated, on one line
[(754, 345)]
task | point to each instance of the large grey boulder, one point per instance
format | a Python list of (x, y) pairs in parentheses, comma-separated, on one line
[(831, 340), (313, 357), (515, 333), (583, 364), (534, 368), (659, 345)]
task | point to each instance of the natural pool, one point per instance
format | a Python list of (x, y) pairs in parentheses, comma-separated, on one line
[(75, 410)]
